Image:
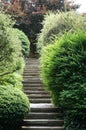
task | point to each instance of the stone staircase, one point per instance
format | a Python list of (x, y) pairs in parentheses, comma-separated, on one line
[(43, 114)]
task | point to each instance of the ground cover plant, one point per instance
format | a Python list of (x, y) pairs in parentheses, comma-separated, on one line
[(63, 70)]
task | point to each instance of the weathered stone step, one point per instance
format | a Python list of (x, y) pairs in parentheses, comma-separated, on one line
[(35, 92), (31, 81), (31, 96), (31, 74), (42, 107), (33, 88), (43, 122), (28, 73), (34, 65), (42, 100), (31, 69), (43, 115), (42, 128), (33, 85), (26, 83)]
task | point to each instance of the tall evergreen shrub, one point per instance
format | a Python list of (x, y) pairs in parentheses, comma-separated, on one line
[(63, 70)]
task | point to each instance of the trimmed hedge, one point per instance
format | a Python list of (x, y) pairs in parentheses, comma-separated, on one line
[(24, 41), (14, 106), (56, 24), (63, 70)]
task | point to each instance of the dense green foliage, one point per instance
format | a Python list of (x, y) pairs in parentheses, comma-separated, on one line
[(24, 41), (56, 24), (13, 103), (10, 47), (63, 70), (14, 80), (13, 106)]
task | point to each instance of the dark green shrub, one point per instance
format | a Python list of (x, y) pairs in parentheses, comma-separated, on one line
[(14, 105), (24, 41), (56, 24), (63, 70)]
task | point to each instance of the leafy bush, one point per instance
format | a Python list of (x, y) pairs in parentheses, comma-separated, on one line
[(14, 80), (10, 47), (63, 70), (13, 102), (14, 105), (56, 24), (24, 40)]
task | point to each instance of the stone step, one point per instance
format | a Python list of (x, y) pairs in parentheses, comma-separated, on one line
[(42, 107), (43, 115), (43, 122), (31, 69), (31, 81), (34, 65), (33, 85), (31, 75), (34, 88), (31, 96), (35, 92), (42, 100), (42, 128)]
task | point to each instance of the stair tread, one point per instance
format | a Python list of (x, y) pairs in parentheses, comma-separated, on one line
[(42, 128)]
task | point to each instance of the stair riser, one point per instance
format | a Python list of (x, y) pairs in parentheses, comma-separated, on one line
[(43, 123), (46, 110), (35, 92), (32, 84), (31, 81), (44, 116), (40, 100), (39, 96), (34, 88)]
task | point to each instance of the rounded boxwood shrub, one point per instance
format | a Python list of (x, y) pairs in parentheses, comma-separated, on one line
[(14, 105), (63, 70), (24, 42), (63, 63), (56, 24)]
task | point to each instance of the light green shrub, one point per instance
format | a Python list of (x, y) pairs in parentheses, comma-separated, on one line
[(56, 24), (14, 105), (24, 41), (10, 49), (14, 80)]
